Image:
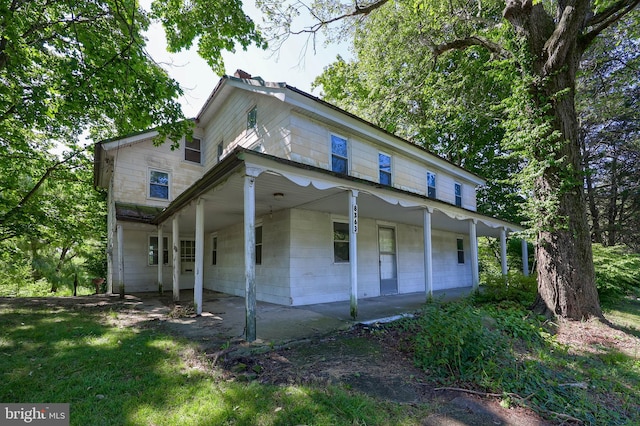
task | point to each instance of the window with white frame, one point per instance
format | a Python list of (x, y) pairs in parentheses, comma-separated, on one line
[(431, 185), (153, 250), (340, 242), (187, 251), (384, 165), (458, 193), (158, 184), (214, 249), (220, 150), (193, 150), (460, 247), (339, 155), (259, 245), (252, 118)]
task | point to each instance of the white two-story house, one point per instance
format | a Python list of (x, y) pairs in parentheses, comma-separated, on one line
[(284, 198)]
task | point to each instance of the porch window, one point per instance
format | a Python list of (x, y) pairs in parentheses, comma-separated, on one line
[(460, 245), (458, 192), (384, 164), (431, 185), (192, 150), (252, 118), (339, 155), (187, 251), (258, 245), (159, 184), (340, 242), (153, 250), (214, 250)]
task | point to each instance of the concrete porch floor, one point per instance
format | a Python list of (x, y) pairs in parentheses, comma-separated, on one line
[(223, 315)]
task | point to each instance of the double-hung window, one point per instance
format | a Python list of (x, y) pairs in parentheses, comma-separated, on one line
[(214, 250), (460, 247), (339, 155), (431, 185), (252, 118), (193, 150), (458, 193), (384, 165), (153, 250), (259, 245), (340, 242), (158, 184)]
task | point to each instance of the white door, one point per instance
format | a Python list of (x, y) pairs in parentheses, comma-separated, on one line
[(388, 268)]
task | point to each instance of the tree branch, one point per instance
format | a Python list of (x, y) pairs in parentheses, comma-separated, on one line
[(464, 43), (357, 11), (605, 19)]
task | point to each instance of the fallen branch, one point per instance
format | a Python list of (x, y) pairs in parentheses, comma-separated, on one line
[(487, 394)]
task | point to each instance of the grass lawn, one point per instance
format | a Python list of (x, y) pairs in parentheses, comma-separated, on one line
[(114, 375)]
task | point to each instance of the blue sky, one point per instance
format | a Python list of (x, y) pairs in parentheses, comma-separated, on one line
[(291, 64)]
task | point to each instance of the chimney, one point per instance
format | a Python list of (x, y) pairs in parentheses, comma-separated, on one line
[(241, 74)]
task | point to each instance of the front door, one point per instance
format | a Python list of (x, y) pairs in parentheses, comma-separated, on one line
[(388, 269)]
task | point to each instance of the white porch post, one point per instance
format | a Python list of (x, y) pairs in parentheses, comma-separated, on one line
[(428, 253), (353, 251), (525, 258), (198, 276), (175, 253), (120, 238), (250, 255), (503, 250), (473, 243), (160, 258)]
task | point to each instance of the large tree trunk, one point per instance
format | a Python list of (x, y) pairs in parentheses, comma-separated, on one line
[(566, 276)]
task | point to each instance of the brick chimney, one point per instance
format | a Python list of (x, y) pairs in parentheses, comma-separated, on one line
[(241, 74)]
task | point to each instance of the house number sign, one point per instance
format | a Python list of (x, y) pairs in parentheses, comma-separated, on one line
[(355, 218)]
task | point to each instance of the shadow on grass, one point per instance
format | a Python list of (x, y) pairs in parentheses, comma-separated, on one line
[(125, 375)]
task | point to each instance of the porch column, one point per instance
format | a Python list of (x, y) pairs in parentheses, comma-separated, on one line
[(525, 258), (120, 238), (160, 258), (197, 286), (250, 255), (353, 251), (473, 243), (503, 250), (428, 254), (175, 253)]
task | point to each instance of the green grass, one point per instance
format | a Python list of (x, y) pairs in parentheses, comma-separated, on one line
[(112, 375)]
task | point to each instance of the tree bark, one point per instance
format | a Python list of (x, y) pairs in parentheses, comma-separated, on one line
[(566, 276)]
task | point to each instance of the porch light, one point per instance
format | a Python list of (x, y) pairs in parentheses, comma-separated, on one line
[(278, 195)]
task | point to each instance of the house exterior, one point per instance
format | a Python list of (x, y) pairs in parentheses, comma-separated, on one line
[(284, 198)]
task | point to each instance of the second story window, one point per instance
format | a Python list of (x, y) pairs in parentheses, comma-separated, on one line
[(159, 184), (220, 151), (458, 193), (339, 155), (431, 185), (252, 118), (192, 150), (384, 164)]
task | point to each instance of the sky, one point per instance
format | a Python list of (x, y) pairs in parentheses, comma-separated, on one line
[(291, 64)]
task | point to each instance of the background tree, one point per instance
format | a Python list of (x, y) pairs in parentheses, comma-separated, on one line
[(73, 67), (609, 114), (544, 42)]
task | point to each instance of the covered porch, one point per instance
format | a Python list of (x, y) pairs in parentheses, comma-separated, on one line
[(248, 185)]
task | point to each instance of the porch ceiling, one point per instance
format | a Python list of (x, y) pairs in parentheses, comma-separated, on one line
[(224, 204)]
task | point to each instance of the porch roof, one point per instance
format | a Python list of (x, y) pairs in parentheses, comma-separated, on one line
[(285, 184)]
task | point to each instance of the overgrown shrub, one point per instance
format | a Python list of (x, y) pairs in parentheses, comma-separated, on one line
[(515, 288), (617, 272)]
